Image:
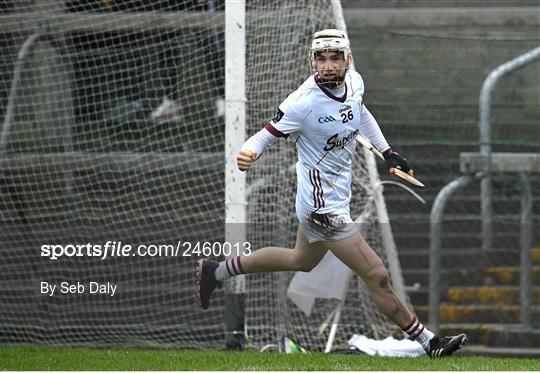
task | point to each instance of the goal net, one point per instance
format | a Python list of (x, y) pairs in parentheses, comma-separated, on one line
[(113, 141)]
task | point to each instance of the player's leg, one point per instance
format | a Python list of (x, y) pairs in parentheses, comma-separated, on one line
[(357, 255), (304, 257), (360, 257)]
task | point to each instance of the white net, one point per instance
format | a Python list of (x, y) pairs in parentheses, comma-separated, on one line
[(113, 132)]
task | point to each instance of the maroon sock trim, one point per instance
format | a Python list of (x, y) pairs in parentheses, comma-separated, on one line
[(239, 264), (410, 324), (228, 269)]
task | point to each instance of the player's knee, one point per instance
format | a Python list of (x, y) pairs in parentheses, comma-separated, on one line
[(378, 277)]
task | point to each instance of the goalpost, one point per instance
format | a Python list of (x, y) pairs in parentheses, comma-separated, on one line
[(235, 181), (116, 134)]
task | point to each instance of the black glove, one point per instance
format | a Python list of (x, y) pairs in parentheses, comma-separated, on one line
[(393, 159)]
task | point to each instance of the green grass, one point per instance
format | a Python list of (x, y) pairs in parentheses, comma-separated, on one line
[(63, 358)]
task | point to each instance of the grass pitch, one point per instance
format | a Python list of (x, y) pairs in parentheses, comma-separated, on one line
[(62, 358)]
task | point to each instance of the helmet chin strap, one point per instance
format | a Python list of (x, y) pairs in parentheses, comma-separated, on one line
[(332, 83)]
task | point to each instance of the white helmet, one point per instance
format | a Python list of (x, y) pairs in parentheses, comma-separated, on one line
[(330, 40)]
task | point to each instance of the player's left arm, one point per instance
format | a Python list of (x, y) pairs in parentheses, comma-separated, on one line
[(394, 160), (370, 129)]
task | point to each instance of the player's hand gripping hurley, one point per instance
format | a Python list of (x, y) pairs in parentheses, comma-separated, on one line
[(398, 172)]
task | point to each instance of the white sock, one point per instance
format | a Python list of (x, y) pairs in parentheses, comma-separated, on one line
[(228, 269), (418, 332)]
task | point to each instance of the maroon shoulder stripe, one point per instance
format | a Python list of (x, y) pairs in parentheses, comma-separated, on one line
[(274, 131)]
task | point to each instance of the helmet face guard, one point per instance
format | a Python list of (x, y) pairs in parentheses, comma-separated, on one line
[(330, 41)]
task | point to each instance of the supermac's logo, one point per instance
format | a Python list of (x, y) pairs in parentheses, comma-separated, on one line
[(327, 119), (340, 143)]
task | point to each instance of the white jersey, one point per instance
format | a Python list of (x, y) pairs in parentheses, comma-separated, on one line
[(325, 128)]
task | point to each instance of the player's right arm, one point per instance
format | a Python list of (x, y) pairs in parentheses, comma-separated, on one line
[(245, 158), (284, 122), (253, 148)]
